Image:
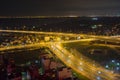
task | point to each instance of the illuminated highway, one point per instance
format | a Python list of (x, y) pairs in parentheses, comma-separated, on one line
[(80, 64), (35, 32)]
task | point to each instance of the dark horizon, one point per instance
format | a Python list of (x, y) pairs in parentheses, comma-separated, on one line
[(60, 8), (66, 16)]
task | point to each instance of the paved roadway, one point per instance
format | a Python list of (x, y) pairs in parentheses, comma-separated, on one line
[(36, 32), (80, 64), (63, 34)]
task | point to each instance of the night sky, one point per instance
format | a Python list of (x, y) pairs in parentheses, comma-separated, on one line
[(59, 7)]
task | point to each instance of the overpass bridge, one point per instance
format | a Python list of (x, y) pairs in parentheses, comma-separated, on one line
[(80, 64)]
